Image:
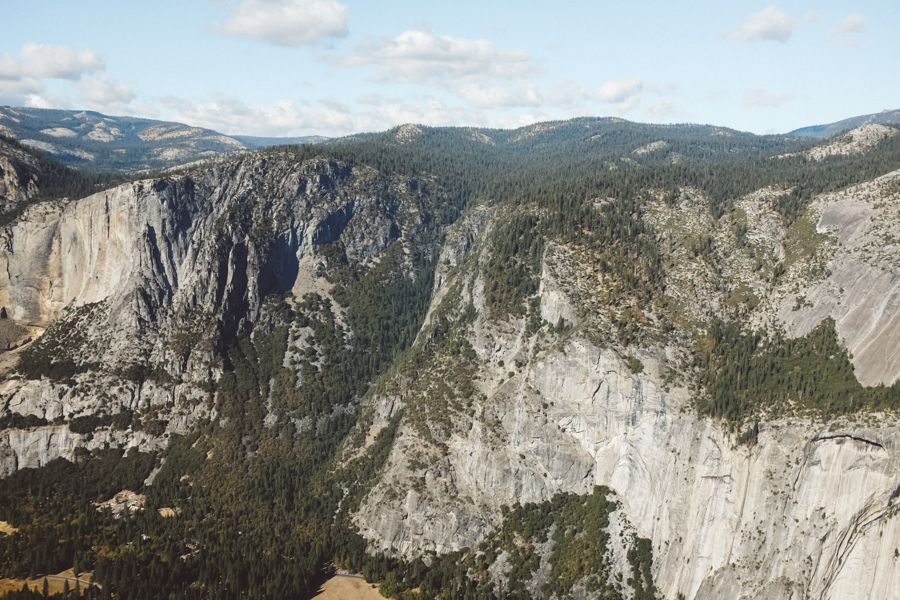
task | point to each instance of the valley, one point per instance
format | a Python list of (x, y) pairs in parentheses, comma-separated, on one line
[(580, 359)]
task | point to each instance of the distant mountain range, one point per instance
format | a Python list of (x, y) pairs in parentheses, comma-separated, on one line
[(88, 138), (112, 143), (128, 144), (826, 131)]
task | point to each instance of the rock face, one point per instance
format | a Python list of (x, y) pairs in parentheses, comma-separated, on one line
[(156, 253), (860, 290), (806, 512), (33, 448), (165, 273)]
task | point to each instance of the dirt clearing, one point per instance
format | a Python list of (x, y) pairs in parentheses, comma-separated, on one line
[(347, 587), (55, 583), (7, 528)]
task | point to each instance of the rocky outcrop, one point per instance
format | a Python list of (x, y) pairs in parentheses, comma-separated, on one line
[(854, 141), (158, 252), (33, 448), (21, 449), (19, 175), (861, 289)]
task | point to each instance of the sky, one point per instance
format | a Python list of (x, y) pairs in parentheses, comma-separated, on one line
[(329, 67)]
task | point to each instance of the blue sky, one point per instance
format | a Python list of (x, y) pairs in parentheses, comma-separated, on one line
[(329, 67)]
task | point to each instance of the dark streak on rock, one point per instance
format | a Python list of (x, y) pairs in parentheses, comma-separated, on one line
[(847, 436)]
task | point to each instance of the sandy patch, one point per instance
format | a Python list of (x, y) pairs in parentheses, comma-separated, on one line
[(348, 587), (124, 500), (55, 583), (7, 528)]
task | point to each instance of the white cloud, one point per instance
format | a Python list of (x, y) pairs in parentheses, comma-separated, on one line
[(335, 105), (60, 101), (669, 89), (21, 79), (851, 24), (619, 90), (770, 24), (422, 56), (50, 62), (847, 30), (19, 87), (758, 98), (508, 97), (562, 94), (101, 91), (288, 22), (524, 120), (286, 118), (475, 70), (434, 112), (662, 109), (231, 116), (145, 110), (622, 93)]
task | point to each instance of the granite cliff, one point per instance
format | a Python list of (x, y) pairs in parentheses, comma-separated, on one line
[(804, 512), (164, 274)]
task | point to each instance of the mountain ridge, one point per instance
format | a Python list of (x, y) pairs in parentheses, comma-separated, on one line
[(831, 129), (50, 131)]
